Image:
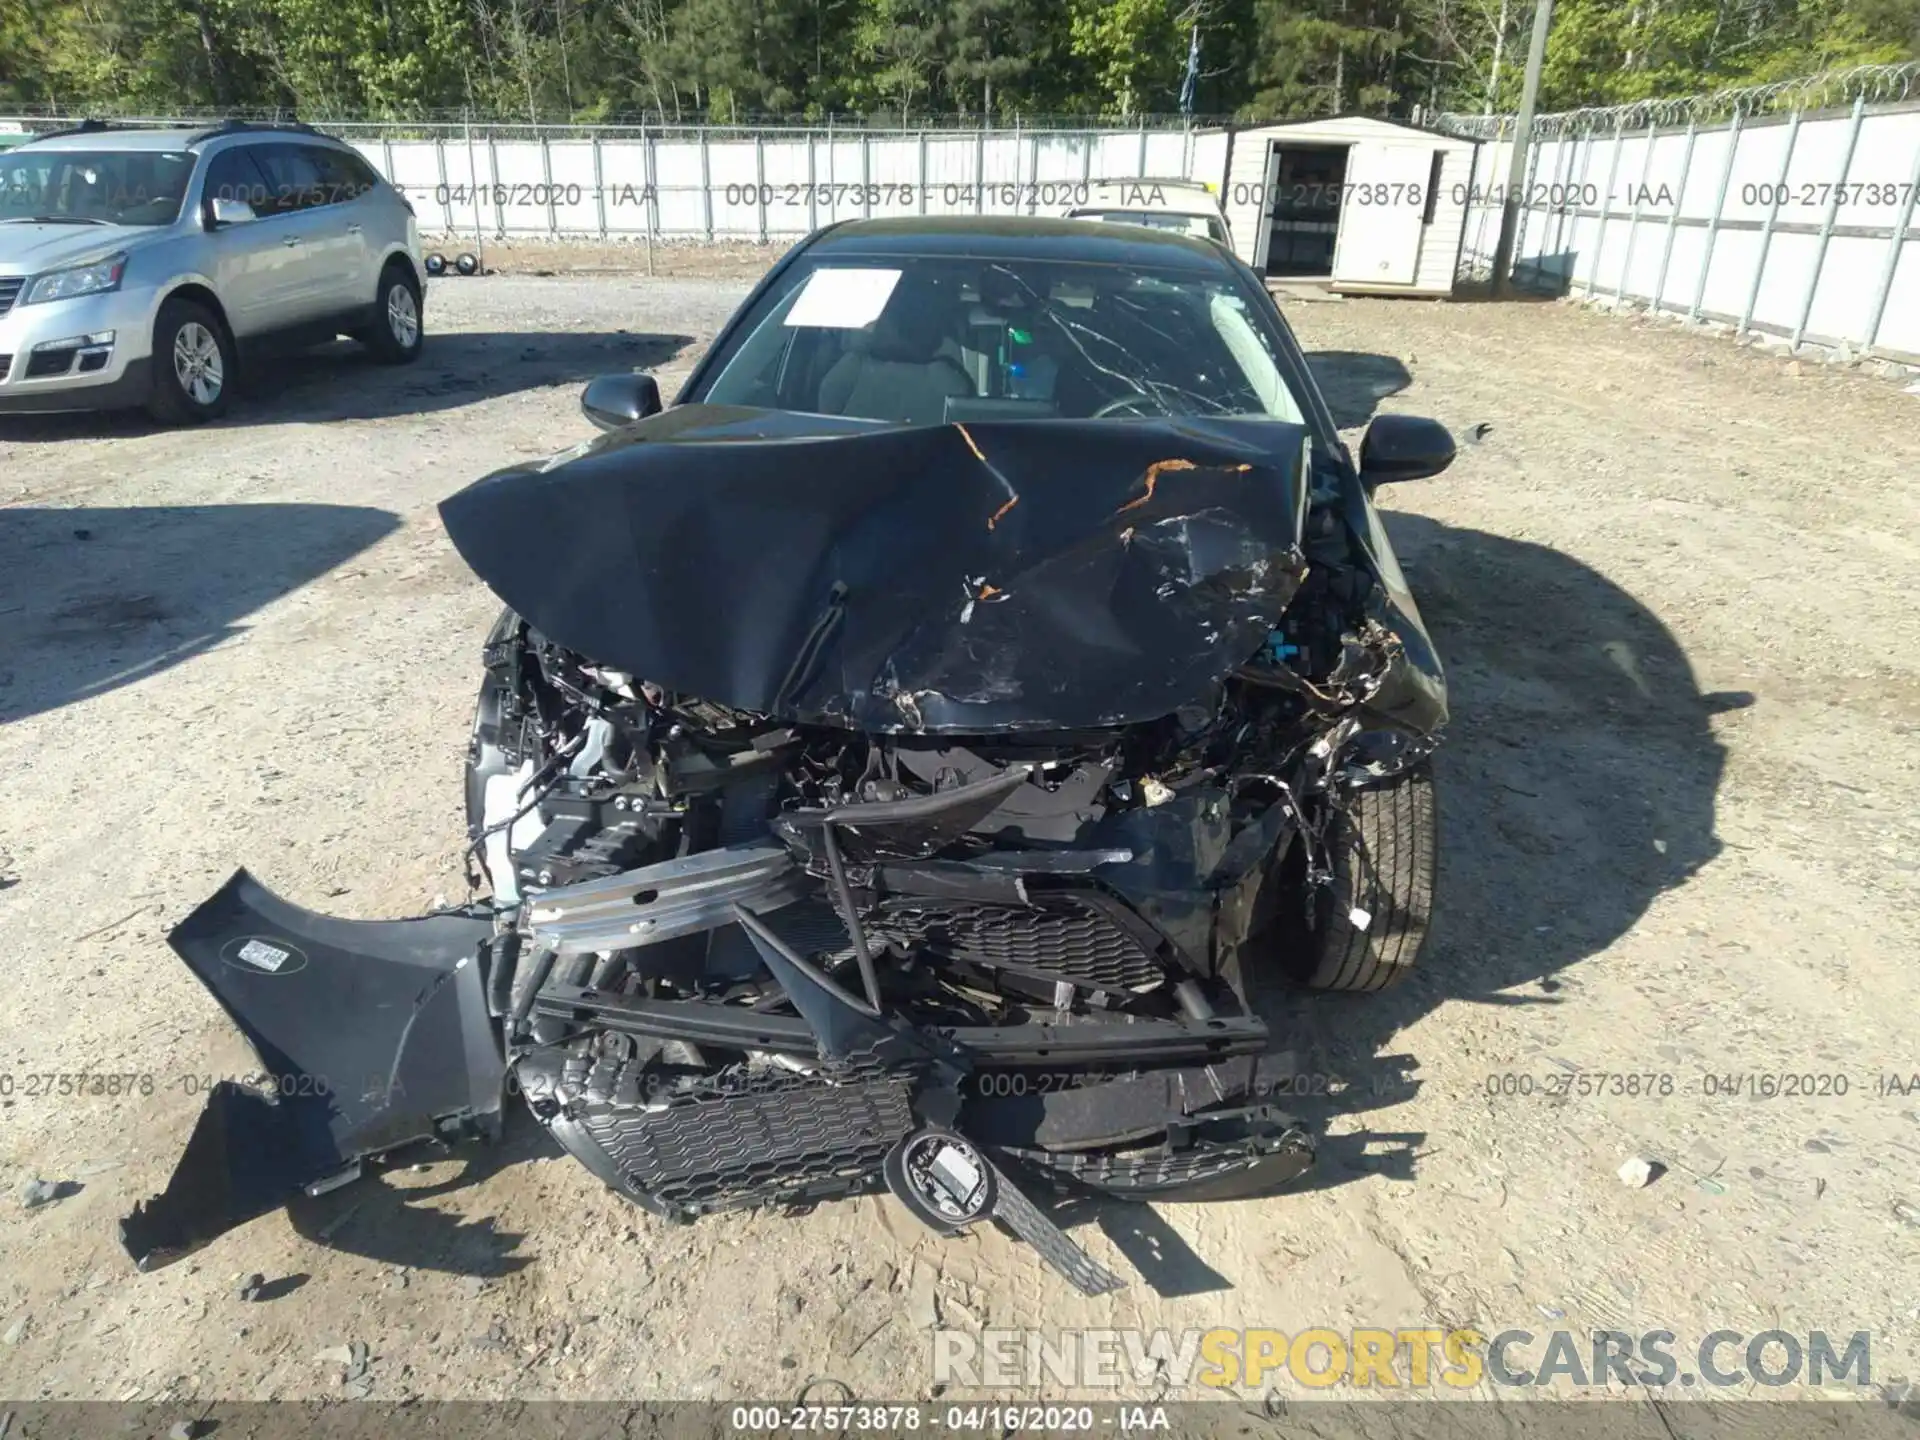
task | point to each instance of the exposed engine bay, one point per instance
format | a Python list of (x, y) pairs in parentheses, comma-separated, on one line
[(858, 806)]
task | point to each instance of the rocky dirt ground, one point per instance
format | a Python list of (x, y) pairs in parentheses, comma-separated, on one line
[(1673, 580)]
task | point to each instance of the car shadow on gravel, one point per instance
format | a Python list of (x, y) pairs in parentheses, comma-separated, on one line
[(1576, 784), (341, 381), (96, 598)]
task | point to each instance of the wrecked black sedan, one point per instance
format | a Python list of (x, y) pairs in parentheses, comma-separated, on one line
[(898, 764)]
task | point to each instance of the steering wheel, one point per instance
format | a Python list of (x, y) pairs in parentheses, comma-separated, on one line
[(1137, 403)]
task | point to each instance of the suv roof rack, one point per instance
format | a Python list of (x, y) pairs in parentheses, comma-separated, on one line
[(240, 127), (85, 127)]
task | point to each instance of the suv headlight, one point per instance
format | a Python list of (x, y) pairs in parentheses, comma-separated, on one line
[(94, 279)]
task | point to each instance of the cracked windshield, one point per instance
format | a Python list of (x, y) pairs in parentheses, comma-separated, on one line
[(925, 341)]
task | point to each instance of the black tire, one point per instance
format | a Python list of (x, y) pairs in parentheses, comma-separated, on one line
[(194, 370), (395, 302), (1384, 851)]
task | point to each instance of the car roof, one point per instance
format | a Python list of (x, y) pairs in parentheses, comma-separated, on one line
[(1001, 237), (173, 138), (113, 140)]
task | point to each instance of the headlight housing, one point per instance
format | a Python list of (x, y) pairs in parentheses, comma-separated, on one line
[(94, 279)]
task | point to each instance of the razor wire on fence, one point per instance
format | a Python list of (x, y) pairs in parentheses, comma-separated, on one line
[(1872, 84)]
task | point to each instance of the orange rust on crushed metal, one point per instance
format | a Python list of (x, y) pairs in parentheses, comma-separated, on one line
[(987, 592), (980, 455), (1152, 478)]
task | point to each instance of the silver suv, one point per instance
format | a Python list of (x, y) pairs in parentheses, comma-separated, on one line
[(143, 267)]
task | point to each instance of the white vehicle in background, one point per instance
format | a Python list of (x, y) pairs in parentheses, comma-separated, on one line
[(143, 266), (1184, 206)]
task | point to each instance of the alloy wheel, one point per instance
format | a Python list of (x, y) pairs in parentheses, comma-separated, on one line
[(403, 317), (197, 363)]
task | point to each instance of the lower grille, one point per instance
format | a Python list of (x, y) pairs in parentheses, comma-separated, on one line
[(1058, 937), (6, 364), (49, 362), (753, 1141), (683, 1144)]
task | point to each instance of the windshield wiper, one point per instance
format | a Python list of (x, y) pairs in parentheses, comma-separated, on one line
[(55, 220)]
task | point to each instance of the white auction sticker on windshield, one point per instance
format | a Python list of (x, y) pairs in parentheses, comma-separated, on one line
[(843, 299)]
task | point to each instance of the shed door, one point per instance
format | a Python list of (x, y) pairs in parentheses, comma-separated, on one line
[(1382, 214)]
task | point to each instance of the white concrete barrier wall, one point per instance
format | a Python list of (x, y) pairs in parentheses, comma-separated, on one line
[(725, 185), (1801, 226)]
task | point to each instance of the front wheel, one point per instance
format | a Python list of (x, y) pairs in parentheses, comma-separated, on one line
[(1372, 921), (397, 331), (193, 364)]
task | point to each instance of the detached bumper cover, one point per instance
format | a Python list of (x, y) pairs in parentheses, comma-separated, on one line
[(374, 1035), (371, 1035)]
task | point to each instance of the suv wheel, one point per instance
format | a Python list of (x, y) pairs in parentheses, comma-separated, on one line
[(397, 330), (193, 366)]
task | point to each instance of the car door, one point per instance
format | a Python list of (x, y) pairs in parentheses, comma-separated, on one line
[(251, 262), (300, 205), (335, 238), (353, 237)]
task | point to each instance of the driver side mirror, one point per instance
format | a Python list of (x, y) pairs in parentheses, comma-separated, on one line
[(1403, 447), (611, 401), (225, 210)]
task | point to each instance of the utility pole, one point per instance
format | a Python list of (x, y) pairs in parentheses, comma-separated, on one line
[(1522, 134)]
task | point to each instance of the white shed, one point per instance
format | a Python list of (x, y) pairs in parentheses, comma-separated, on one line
[(1369, 206)]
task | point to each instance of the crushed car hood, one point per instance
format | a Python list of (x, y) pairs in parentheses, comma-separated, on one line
[(949, 578)]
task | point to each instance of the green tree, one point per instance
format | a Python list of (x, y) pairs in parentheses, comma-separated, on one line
[(993, 48), (1324, 57), (348, 57), (679, 58), (1602, 52), (897, 44), (1136, 51)]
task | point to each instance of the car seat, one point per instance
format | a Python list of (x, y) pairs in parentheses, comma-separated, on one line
[(900, 369)]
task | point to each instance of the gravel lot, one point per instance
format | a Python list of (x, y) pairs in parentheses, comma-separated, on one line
[(1674, 584)]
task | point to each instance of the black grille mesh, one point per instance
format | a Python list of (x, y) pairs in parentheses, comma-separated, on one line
[(1059, 937), (741, 1139)]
